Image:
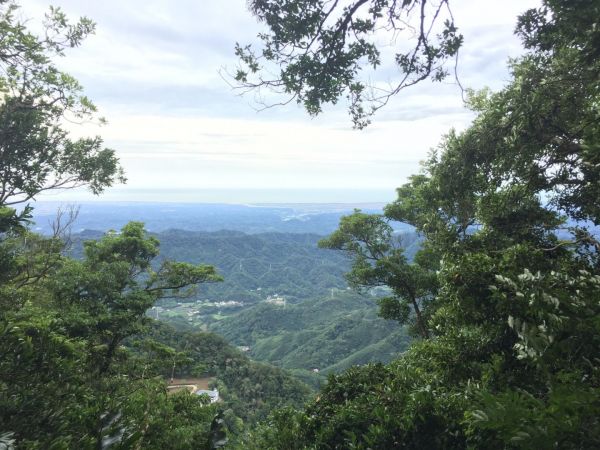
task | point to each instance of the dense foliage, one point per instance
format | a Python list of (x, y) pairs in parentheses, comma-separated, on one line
[(66, 380), (249, 390), (511, 209)]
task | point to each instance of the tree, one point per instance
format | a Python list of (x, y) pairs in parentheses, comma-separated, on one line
[(116, 284), (379, 261), (36, 152), (66, 379), (316, 50)]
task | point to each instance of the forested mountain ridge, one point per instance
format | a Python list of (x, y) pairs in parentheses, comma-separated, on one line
[(282, 297), (276, 263), (289, 264)]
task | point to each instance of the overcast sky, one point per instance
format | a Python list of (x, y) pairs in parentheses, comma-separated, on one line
[(182, 134)]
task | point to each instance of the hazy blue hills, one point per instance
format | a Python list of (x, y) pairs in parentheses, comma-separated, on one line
[(293, 218)]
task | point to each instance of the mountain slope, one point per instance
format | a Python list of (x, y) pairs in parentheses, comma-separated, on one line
[(328, 334)]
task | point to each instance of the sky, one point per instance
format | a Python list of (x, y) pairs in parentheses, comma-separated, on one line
[(182, 134)]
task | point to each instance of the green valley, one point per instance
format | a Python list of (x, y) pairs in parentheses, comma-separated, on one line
[(318, 336), (283, 300)]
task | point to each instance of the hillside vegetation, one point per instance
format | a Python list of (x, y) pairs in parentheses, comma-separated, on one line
[(283, 297), (249, 390), (253, 266), (327, 333), (276, 263)]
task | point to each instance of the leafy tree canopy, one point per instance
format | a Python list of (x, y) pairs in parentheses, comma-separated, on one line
[(379, 261), (36, 152), (66, 378), (314, 51)]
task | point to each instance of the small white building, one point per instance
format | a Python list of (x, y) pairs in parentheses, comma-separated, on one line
[(212, 394)]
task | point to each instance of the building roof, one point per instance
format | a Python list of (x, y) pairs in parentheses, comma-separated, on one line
[(213, 394)]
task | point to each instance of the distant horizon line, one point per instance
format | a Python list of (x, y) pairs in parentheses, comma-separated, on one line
[(191, 202), (232, 196)]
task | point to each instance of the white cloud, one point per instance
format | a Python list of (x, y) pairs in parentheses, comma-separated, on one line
[(204, 152), (153, 70)]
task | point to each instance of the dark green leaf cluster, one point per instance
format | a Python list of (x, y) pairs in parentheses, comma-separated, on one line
[(66, 378)]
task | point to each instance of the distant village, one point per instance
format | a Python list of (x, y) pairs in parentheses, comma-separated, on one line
[(204, 310)]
